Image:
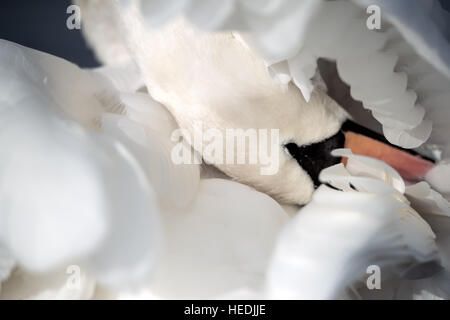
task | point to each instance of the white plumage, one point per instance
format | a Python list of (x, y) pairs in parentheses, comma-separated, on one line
[(57, 175), (86, 176)]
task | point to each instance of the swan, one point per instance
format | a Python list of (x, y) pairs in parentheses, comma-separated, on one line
[(222, 82), (139, 226)]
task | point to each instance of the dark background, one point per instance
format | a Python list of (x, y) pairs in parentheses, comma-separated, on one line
[(41, 24)]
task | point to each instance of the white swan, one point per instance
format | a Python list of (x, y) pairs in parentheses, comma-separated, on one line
[(184, 68), (133, 220)]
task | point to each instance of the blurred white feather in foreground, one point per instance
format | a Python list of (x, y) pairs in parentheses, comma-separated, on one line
[(66, 192), (219, 244), (367, 221), (146, 128), (277, 24)]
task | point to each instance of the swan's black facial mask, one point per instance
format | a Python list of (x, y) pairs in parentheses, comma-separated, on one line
[(315, 157)]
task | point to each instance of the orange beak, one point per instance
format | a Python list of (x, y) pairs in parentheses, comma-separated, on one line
[(410, 165)]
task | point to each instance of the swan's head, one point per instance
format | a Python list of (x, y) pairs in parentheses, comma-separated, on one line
[(217, 80)]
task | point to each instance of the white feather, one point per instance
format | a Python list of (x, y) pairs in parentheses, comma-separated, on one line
[(366, 223), (220, 243), (147, 131), (67, 192)]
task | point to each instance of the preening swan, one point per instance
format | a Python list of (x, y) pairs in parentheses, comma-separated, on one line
[(93, 203), (218, 80)]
